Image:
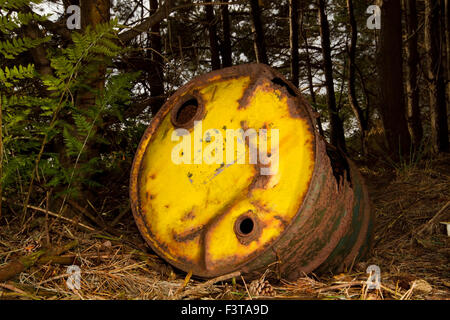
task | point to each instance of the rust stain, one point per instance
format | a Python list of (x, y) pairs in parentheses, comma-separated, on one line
[(188, 235), (322, 220), (189, 216), (247, 238)]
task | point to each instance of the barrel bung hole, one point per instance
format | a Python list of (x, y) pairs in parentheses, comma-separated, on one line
[(246, 226), (187, 111)]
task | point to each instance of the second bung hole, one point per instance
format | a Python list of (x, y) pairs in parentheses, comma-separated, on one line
[(246, 226)]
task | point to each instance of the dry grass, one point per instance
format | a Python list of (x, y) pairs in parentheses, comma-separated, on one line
[(412, 266)]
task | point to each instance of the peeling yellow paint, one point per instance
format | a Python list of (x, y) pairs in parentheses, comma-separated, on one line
[(191, 209)]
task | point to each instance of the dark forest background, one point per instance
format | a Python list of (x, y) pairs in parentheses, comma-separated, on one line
[(75, 103)]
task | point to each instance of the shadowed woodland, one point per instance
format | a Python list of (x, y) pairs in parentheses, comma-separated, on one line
[(74, 104)]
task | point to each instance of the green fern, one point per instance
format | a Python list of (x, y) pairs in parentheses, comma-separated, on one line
[(37, 123), (9, 76)]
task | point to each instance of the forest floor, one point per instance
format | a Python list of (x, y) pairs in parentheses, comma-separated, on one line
[(412, 254)]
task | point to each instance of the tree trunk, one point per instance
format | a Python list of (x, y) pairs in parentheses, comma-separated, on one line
[(447, 31), (436, 84), (447, 41), (260, 47), (226, 43), (309, 73), (359, 113), (1, 154), (390, 81), (212, 31), (93, 12), (337, 137), (293, 38), (156, 76), (412, 90), (39, 53)]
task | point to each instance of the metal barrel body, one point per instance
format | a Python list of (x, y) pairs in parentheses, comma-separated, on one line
[(231, 174)]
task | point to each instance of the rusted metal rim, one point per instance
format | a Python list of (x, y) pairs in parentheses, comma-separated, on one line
[(247, 226), (253, 70), (368, 222)]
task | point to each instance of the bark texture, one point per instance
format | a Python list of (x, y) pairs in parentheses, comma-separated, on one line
[(260, 46), (390, 81), (336, 128), (435, 75), (412, 89)]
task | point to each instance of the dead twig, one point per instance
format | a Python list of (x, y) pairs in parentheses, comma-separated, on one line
[(427, 228), (61, 217), (246, 288), (120, 216), (341, 286), (87, 214), (207, 284)]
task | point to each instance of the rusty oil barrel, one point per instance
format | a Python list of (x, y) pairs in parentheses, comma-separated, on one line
[(213, 215)]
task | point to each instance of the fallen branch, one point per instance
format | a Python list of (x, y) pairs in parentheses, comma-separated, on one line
[(17, 291), (43, 256), (15, 267)]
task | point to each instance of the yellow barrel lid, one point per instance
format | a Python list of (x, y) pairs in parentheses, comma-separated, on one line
[(199, 196)]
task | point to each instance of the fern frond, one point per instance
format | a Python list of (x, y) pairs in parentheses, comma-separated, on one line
[(9, 75), (11, 49), (82, 124), (74, 146)]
